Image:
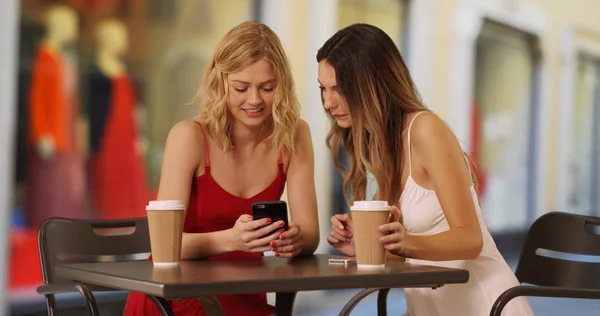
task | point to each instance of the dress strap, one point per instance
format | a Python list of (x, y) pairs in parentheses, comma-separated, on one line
[(206, 153), (409, 155), (280, 158), (468, 162)]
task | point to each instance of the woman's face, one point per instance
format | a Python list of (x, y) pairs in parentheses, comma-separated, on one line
[(251, 93), (332, 98)]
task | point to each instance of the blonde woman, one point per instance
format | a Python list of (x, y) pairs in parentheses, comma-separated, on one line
[(418, 163), (244, 147)]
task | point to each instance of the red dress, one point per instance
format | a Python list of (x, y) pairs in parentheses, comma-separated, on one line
[(118, 179), (211, 209)]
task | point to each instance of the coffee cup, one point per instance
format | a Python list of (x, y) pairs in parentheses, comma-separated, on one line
[(367, 216), (165, 224)]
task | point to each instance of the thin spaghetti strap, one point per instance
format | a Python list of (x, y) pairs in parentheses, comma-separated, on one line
[(206, 153), (280, 158), (468, 162), (409, 154)]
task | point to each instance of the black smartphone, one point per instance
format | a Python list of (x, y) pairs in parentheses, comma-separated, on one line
[(275, 210)]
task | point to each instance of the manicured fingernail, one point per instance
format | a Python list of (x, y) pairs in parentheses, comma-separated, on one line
[(281, 224), (281, 231), (273, 248), (341, 226), (273, 244), (282, 236), (269, 220), (276, 255)]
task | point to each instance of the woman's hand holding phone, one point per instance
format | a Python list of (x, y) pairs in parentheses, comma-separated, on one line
[(255, 235), (290, 242)]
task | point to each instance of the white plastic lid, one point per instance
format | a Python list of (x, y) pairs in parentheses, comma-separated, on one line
[(165, 205), (370, 206)]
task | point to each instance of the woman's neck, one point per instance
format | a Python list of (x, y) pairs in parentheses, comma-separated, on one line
[(244, 136), (110, 64), (52, 45)]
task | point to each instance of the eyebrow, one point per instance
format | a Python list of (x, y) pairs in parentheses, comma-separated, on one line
[(334, 87), (248, 83)]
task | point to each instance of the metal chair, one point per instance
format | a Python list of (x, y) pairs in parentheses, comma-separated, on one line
[(62, 240), (560, 258)]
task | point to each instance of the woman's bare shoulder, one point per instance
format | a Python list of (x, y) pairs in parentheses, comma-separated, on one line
[(428, 129), (186, 141)]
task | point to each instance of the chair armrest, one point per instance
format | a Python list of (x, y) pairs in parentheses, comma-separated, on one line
[(49, 289), (59, 288), (541, 291)]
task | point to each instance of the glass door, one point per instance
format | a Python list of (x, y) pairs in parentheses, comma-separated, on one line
[(583, 164), (503, 116)]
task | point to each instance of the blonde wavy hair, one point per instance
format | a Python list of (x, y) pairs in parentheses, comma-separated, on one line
[(242, 46)]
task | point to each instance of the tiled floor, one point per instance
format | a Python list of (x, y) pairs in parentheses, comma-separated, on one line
[(327, 303)]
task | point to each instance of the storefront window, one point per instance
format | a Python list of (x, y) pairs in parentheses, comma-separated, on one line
[(584, 159), (101, 82), (502, 122)]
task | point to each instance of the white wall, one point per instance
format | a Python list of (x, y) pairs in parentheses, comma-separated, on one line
[(9, 10), (322, 24)]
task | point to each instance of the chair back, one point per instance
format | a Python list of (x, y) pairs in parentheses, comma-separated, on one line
[(562, 250), (62, 240)]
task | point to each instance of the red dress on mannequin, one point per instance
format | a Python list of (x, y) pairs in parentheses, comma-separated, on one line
[(118, 179), (211, 208)]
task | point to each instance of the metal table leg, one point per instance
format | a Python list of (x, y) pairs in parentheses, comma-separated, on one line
[(284, 303), (382, 302), (347, 309)]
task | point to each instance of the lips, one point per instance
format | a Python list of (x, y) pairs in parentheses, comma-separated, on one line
[(253, 110)]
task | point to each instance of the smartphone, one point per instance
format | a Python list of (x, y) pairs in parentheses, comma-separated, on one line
[(342, 261), (275, 210)]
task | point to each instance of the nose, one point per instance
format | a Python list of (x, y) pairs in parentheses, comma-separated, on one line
[(328, 101), (254, 97)]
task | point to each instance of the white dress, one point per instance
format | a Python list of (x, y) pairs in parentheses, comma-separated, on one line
[(489, 274)]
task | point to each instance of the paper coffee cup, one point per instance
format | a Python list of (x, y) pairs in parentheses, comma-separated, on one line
[(165, 223), (367, 216)]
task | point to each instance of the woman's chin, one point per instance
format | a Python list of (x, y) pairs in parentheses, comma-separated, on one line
[(343, 123)]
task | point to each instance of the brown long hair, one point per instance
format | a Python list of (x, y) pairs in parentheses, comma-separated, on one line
[(377, 86)]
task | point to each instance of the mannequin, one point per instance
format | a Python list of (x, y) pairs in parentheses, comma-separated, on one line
[(55, 180), (61, 29), (119, 188)]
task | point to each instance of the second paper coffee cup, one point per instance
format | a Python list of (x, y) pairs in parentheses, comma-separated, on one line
[(367, 216)]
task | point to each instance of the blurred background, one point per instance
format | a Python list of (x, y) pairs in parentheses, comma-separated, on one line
[(90, 89)]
